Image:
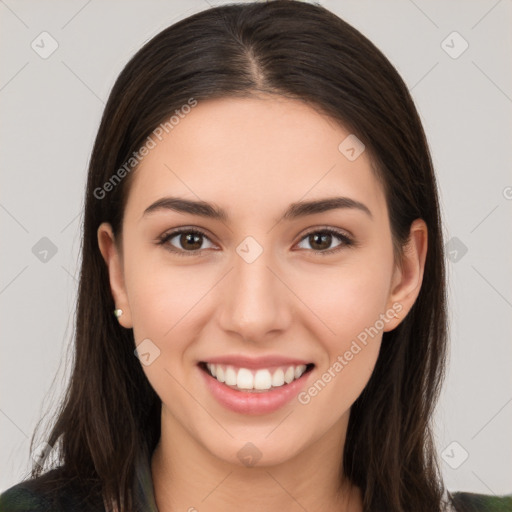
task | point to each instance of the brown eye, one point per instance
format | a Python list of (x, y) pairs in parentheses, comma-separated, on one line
[(190, 241), (321, 241), (183, 241)]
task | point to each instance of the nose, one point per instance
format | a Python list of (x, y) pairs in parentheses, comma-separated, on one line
[(255, 302)]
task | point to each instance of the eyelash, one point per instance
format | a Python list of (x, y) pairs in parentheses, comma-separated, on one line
[(346, 241)]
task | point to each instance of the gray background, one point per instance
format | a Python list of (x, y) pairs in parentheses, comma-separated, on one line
[(50, 113)]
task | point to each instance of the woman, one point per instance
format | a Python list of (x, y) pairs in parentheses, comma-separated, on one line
[(261, 320)]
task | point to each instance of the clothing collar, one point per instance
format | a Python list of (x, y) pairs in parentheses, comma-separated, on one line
[(144, 493)]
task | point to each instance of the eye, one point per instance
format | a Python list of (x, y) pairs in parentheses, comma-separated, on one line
[(320, 241), (189, 242), (182, 241)]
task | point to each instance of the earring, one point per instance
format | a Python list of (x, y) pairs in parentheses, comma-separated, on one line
[(118, 312)]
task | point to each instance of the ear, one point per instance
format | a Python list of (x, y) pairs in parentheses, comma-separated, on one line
[(113, 258), (407, 280)]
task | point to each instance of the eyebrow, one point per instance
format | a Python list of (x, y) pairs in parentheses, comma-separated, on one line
[(294, 211)]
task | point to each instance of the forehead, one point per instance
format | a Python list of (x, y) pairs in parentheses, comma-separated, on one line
[(250, 153)]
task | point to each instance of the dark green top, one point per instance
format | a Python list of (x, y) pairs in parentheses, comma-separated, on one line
[(27, 496)]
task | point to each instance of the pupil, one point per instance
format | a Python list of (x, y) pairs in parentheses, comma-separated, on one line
[(317, 240), (188, 240)]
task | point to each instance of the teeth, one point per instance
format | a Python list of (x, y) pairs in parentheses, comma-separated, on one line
[(244, 379), (220, 374), (230, 376), (289, 374), (262, 379), (278, 378)]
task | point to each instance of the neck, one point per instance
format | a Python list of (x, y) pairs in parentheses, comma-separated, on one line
[(187, 477)]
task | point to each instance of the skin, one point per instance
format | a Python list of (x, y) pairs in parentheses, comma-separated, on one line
[(253, 157)]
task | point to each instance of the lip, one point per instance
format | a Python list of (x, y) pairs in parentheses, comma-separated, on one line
[(253, 403), (255, 362)]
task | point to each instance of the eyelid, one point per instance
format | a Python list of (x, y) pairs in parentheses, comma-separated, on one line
[(330, 229), (347, 239), (168, 235)]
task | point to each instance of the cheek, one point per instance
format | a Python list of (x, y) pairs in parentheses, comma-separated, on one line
[(345, 300), (350, 303), (167, 304), (163, 297), (350, 347)]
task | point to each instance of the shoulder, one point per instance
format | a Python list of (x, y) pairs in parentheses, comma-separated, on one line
[(19, 498), (50, 492), (472, 502)]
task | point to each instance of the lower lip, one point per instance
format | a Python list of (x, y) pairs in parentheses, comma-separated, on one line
[(254, 403)]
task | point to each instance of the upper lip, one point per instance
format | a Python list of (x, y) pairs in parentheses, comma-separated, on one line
[(256, 362)]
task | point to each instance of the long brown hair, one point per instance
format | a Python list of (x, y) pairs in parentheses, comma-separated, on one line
[(110, 413)]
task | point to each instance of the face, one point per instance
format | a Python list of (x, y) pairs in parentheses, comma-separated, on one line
[(269, 285)]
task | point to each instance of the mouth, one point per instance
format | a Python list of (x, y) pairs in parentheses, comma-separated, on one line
[(260, 380)]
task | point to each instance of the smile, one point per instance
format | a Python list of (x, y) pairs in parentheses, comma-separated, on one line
[(254, 391), (263, 379)]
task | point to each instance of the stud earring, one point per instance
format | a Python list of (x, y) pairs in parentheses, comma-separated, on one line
[(118, 312)]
